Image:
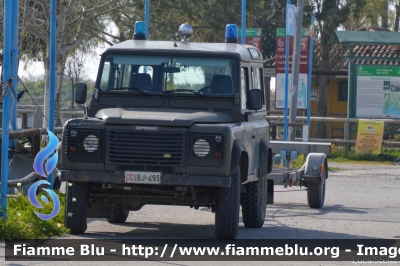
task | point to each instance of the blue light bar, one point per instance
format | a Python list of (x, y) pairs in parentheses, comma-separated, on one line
[(139, 31), (231, 33)]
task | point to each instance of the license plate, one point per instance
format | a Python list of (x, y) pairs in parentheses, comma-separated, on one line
[(143, 177)]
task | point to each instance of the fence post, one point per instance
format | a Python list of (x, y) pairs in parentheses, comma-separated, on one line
[(273, 127), (24, 118), (346, 137), (35, 148)]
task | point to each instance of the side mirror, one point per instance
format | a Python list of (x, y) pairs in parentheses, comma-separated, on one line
[(80, 93), (254, 102)]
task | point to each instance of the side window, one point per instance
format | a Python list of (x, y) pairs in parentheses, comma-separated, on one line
[(256, 78), (257, 82), (260, 72), (243, 86), (105, 77)]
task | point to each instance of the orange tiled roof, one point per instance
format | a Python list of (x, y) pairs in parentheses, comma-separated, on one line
[(381, 51)]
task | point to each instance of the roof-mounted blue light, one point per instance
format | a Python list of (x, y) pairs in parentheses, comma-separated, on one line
[(139, 31), (231, 33)]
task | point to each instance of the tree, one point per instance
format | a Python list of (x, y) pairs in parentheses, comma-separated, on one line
[(78, 21), (76, 71), (208, 19), (374, 14), (329, 15), (397, 17)]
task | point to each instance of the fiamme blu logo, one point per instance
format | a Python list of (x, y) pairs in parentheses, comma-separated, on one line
[(44, 163)]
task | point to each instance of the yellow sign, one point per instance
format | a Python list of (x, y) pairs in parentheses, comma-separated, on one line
[(369, 136)]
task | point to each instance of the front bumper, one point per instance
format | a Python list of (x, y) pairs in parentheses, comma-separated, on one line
[(167, 179)]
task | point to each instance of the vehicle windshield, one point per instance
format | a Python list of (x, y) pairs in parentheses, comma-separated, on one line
[(169, 75)]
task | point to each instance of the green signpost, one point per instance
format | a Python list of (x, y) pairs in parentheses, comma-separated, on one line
[(378, 91), (281, 32), (253, 37)]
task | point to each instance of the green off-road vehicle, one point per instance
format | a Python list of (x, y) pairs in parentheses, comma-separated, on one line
[(171, 123)]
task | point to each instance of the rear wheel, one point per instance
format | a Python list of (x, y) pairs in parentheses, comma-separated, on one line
[(227, 209), (75, 207), (118, 213), (254, 203)]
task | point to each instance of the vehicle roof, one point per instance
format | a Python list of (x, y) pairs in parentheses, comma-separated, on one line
[(186, 47)]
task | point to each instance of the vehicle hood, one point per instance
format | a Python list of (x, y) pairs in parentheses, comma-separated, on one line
[(161, 117)]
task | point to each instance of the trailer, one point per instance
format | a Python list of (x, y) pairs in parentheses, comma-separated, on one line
[(312, 174)]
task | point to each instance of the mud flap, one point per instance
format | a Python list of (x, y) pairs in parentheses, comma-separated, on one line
[(314, 168)]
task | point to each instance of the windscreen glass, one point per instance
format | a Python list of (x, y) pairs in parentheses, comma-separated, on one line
[(169, 75)]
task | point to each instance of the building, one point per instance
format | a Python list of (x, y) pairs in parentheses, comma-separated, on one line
[(369, 50)]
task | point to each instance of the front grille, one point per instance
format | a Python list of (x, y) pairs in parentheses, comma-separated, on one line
[(128, 147), (140, 168)]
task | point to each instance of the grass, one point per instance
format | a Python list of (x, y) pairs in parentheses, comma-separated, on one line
[(22, 222), (387, 156)]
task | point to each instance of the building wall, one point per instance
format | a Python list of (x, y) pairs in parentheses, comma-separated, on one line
[(336, 107)]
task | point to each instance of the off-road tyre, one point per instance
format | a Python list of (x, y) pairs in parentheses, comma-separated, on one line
[(75, 207), (57, 184), (254, 203), (118, 213), (316, 191), (227, 209)]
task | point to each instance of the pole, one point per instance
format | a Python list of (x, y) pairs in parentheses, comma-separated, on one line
[(296, 67), (243, 21), (6, 105), (70, 93), (310, 75), (14, 64), (146, 18), (285, 112), (53, 28)]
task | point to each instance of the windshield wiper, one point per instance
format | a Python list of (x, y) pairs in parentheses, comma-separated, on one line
[(129, 89), (179, 90)]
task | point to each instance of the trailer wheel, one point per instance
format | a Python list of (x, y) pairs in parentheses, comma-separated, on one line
[(254, 203), (75, 207), (118, 213), (316, 191), (227, 209)]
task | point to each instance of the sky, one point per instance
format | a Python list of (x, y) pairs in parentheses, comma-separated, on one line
[(36, 69)]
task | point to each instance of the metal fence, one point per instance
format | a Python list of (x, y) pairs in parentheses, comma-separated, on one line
[(25, 115), (276, 121)]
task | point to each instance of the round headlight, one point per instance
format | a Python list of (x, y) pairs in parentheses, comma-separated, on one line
[(201, 147), (91, 143)]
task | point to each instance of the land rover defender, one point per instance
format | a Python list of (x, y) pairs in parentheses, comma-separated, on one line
[(171, 123)]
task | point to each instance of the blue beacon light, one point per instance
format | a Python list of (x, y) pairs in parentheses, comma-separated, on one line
[(231, 33), (139, 31)]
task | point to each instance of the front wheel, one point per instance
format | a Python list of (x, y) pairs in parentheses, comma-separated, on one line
[(254, 203), (75, 207), (227, 209)]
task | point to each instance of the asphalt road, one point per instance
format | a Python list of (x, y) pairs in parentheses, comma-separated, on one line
[(362, 201)]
